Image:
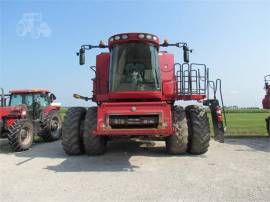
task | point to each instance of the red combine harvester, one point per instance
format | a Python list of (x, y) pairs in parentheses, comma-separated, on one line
[(29, 113), (266, 100), (135, 88)]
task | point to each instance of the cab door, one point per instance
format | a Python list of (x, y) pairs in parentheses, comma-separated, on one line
[(40, 102), (28, 101)]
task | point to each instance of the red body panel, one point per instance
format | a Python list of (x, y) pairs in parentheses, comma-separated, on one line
[(101, 82), (50, 108), (142, 108), (30, 91), (135, 95), (5, 113), (191, 97), (166, 63)]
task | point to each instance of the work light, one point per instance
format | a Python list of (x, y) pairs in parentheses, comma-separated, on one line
[(117, 37), (141, 36), (124, 36)]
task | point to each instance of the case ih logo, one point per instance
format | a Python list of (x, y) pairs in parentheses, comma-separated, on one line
[(32, 24)]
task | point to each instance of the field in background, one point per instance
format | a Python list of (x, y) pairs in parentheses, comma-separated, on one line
[(246, 122), (240, 121)]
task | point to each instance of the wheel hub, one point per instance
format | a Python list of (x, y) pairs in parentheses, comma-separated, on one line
[(25, 135), (54, 125)]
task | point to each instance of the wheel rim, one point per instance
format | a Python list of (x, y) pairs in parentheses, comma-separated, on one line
[(25, 135), (55, 126)]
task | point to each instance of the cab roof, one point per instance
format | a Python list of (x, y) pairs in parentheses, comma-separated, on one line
[(29, 91), (133, 37)]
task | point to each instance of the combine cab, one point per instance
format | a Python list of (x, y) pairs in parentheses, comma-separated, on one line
[(266, 101), (135, 88), (29, 113)]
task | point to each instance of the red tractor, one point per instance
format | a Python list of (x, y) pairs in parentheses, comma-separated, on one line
[(135, 89), (266, 100), (29, 113)]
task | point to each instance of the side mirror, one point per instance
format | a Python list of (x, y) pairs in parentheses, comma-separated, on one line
[(186, 54), (3, 102), (52, 97), (82, 56)]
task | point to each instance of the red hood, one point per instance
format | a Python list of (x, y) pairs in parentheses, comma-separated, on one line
[(4, 111)]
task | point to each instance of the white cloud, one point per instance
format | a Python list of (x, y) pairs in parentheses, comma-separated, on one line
[(33, 25)]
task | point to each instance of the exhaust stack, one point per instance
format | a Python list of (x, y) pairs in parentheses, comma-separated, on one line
[(2, 97)]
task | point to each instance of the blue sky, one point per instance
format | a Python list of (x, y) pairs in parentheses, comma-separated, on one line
[(231, 37)]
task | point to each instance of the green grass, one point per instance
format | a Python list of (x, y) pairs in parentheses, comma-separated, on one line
[(237, 111), (246, 123), (63, 113)]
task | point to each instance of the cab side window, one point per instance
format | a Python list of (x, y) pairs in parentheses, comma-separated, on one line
[(16, 100), (41, 99), (28, 100)]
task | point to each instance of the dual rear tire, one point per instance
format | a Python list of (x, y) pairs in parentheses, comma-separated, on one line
[(192, 132), (77, 133), (198, 130)]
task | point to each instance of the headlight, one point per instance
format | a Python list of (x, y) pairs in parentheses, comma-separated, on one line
[(24, 113)]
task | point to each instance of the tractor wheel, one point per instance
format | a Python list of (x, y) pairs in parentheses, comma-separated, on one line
[(93, 145), (52, 126), (268, 125), (198, 130), (21, 135), (177, 143), (72, 131)]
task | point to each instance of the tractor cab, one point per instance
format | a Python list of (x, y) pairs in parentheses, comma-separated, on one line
[(34, 100)]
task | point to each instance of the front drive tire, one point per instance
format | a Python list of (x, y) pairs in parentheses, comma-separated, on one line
[(21, 135), (93, 145), (177, 143), (72, 131), (198, 130)]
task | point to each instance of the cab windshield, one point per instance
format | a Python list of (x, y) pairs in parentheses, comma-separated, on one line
[(134, 67), (41, 99)]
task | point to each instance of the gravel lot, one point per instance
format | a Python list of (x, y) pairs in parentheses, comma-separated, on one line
[(238, 170)]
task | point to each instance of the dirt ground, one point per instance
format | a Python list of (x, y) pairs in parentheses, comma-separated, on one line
[(238, 170)]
